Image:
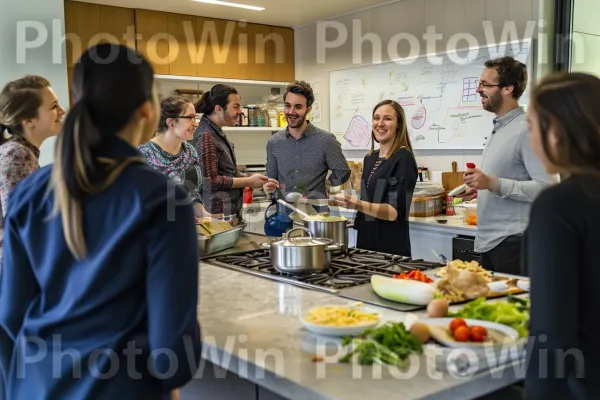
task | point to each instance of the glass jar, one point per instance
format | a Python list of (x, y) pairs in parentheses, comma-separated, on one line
[(253, 113)]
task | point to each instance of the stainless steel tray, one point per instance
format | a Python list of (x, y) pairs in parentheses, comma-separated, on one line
[(209, 244)]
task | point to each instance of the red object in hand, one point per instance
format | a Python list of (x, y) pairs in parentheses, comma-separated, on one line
[(248, 195), (470, 165)]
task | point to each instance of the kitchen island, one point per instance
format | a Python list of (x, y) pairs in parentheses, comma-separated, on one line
[(255, 347)]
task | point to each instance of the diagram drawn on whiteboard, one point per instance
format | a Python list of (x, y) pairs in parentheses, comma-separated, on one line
[(469, 94), (442, 107), (418, 118), (358, 133)]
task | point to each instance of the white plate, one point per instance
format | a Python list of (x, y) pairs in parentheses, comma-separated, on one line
[(340, 331), (503, 335)]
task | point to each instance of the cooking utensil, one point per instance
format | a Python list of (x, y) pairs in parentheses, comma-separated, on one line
[(291, 207), (337, 231), (293, 197), (299, 255)]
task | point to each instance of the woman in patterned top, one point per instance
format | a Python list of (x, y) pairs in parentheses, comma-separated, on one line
[(170, 153), (29, 113), (388, 182)]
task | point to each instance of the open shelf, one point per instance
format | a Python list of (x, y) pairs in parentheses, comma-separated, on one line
[(202, 79)]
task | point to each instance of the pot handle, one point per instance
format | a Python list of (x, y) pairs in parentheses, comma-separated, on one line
[(333, 247), (299, 229)]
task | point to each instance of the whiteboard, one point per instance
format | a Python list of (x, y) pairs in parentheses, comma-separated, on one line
[(442, 107)]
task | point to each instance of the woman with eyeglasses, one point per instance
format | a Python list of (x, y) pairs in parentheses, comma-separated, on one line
[(561, 241), (171, 153), (99, 284)]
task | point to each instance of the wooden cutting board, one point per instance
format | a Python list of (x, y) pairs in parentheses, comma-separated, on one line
[(451, 180)]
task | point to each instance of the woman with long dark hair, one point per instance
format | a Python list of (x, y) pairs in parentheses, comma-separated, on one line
[(388, 182), (100, 259), (223, 184), (561, 242)]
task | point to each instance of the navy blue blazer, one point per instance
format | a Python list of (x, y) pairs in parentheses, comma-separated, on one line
[(119, 324)]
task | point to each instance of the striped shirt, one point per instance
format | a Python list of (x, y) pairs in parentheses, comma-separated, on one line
[(302, 165), (219, 167)]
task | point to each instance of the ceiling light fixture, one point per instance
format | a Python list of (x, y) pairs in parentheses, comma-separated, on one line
[(226, 3)]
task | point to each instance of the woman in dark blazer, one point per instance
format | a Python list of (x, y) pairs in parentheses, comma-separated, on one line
[(387, 185)]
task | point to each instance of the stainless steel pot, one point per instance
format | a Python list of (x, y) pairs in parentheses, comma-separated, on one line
[(300, 255), (337, 231)]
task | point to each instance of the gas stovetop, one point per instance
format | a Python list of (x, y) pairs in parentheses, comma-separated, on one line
[(347, 269)]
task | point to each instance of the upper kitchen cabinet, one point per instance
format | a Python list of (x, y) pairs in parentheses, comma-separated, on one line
[(82, 28), (236, 60), (283, 54), (210, 37), (117, 25), (260, 56), (153, 40), (182, 30)]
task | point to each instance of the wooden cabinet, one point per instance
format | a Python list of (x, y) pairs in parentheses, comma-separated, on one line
[(182, 30), (177, 44), (153, 40), (283, 54), (117, 25), (260, 53), (210, 34), (82, 28), (236, 62)]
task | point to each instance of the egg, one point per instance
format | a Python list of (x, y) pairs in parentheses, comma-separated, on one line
[(437, 308), (421, 331)]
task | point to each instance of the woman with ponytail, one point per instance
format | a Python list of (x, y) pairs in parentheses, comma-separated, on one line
[(29, 114), (100, 259)]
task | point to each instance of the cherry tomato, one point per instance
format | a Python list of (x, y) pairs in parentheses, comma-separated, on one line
[(478, 333), (455, 323), (461, 334)]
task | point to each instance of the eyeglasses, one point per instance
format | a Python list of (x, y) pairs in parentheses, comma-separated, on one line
[(192, 118), (483, 84)]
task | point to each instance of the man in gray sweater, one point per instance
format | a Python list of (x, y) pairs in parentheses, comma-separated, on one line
[(300, 156), (511, 176)]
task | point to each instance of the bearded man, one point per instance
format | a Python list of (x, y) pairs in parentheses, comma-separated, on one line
[(300, 157), (511, 176)]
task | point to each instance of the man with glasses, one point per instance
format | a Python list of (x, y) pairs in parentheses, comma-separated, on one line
[(511, 176)]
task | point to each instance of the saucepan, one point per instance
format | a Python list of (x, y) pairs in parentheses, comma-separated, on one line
[(301, 254)]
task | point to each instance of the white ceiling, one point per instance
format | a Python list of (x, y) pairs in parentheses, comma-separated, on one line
[(289, 13)]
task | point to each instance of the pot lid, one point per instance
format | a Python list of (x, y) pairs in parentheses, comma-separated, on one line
[(301, 241)]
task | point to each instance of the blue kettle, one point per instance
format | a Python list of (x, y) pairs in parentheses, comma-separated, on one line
[(278, 222)]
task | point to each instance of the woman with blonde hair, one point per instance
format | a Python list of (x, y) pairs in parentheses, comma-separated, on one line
[(388, 182), (100, 258), (29, 114)]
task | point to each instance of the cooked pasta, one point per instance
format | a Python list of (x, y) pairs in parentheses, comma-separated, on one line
[(340, 316), (471, 266)]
